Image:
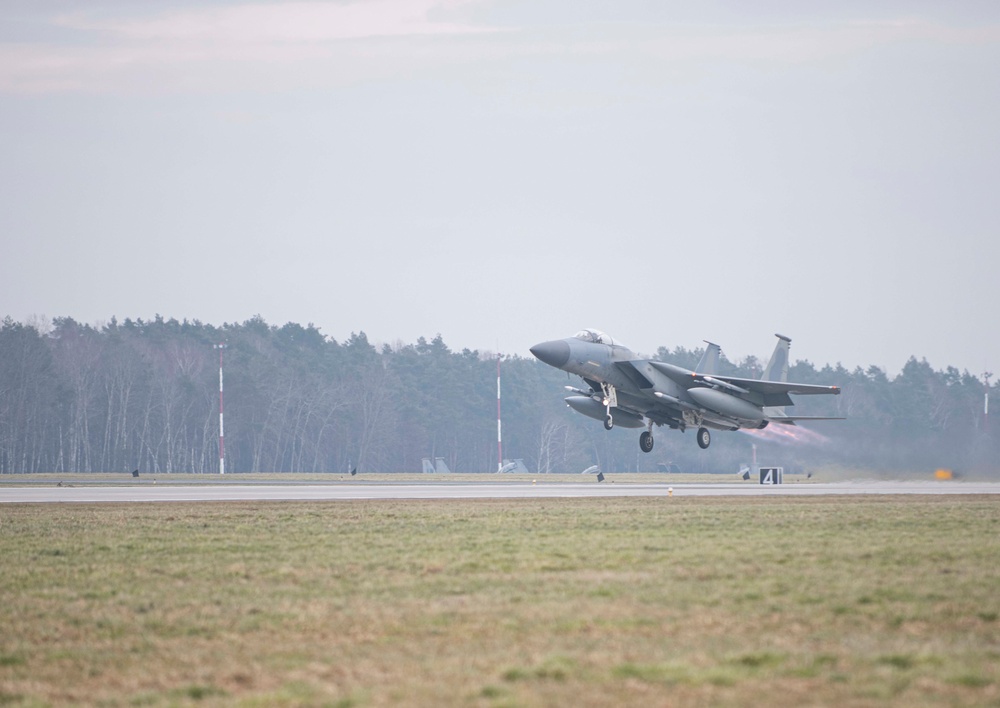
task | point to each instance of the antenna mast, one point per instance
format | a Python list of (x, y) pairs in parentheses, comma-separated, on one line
[(499, 437), (987, 375), (222, 443)]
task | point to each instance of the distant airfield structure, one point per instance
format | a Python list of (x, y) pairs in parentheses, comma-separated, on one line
[(438, 466), (514, 466)]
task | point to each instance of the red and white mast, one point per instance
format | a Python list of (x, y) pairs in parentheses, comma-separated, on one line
[(222, 439), (499, 437), (986, 400)]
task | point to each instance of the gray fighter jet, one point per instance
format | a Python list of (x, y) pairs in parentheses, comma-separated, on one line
[(638, 393)]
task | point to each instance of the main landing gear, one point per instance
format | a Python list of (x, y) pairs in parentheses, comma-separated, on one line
[(703, 437)]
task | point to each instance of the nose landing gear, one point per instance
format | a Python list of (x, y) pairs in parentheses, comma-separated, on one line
[(610, 400)]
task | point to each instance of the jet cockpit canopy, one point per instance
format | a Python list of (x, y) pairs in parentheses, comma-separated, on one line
[(596, 336)]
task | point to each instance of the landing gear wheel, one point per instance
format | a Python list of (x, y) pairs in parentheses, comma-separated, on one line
[(704, 438), (646, 441), (609, 422)]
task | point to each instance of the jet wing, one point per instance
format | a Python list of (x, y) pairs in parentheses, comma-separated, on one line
[(629, 370), (643, 401), (769, 387), (774, 393)]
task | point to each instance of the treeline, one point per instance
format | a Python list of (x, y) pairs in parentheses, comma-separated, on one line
[(145, 394)]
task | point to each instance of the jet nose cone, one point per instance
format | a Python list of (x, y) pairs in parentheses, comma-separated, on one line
[(554, 353)]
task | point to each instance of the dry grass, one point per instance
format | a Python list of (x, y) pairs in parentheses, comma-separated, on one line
[(860, 601)]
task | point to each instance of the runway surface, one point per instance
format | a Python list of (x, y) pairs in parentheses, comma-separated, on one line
[(151, 492)]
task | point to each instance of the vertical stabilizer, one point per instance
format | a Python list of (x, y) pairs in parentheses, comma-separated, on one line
[(709, 363), (777, 367)]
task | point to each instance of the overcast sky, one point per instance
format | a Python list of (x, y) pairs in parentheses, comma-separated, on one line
[(507, 172)]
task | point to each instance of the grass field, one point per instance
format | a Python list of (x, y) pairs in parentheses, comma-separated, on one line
[(693, 601)]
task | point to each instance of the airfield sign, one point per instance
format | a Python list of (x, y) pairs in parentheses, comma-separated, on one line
[(771, 475)]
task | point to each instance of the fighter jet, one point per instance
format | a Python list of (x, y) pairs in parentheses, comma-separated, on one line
[(631, 392)]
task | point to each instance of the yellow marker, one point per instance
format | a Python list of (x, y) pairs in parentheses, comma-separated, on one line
[(943, 474), (670, 491)]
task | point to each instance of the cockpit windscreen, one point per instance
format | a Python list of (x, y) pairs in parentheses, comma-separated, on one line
[(596, 336)]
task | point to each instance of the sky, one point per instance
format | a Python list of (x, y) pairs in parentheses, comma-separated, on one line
[(507, 172)]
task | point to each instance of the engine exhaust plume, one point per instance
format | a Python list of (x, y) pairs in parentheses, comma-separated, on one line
[(787, 435)]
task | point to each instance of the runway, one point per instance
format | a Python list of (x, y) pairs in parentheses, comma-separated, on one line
[(152, 492)]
